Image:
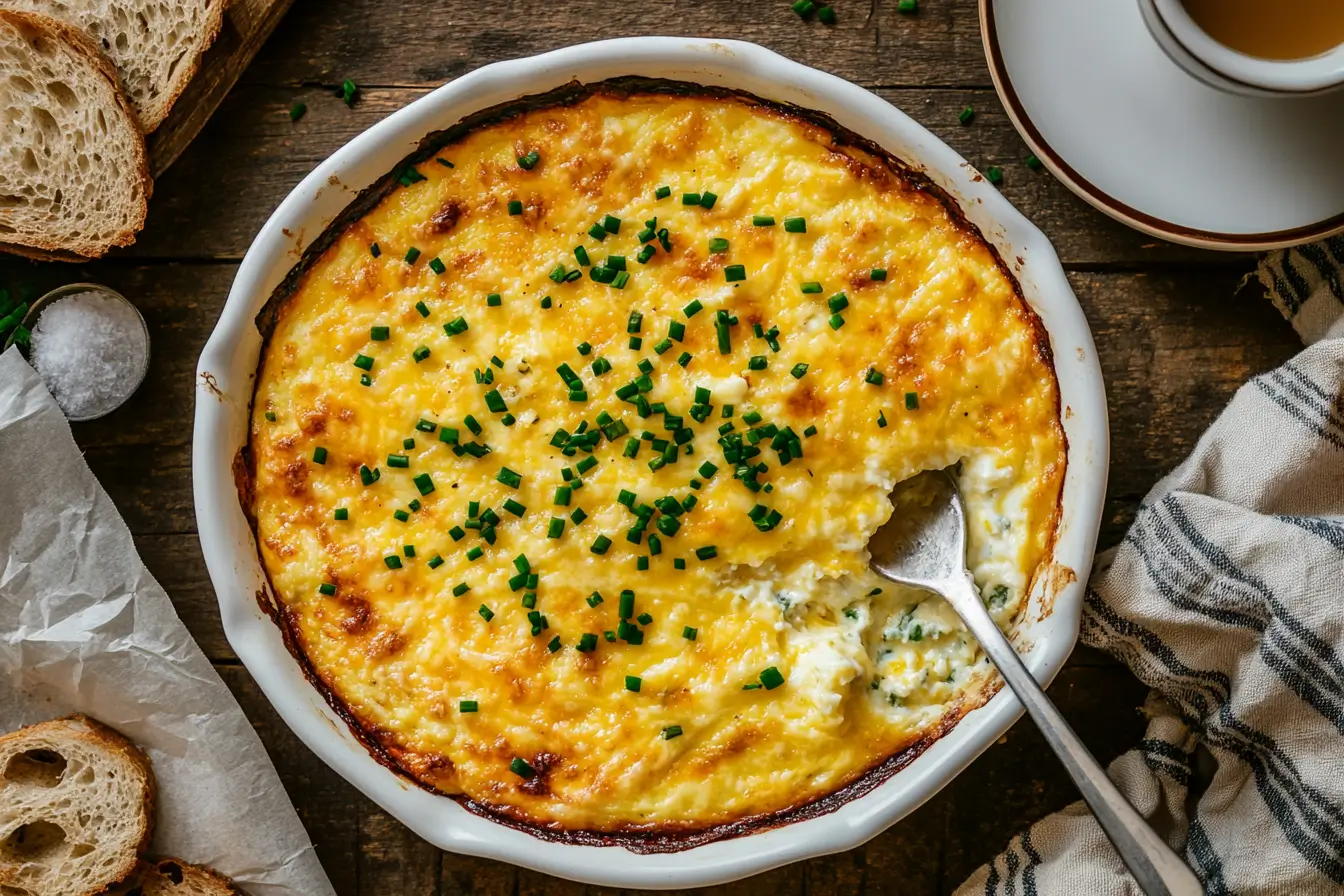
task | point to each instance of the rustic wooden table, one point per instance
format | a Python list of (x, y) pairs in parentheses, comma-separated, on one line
[(1176, 337)]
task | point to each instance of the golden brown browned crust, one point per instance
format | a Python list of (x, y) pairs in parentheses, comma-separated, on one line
[(173, 877), (662, 837), (83, 46)]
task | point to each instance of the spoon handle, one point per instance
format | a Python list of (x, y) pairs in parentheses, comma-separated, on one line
[(1159, 871)]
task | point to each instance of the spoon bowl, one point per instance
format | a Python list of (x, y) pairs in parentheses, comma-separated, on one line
[(923, 545)]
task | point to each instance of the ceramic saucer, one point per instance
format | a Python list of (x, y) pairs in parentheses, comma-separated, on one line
[(1129, 131)]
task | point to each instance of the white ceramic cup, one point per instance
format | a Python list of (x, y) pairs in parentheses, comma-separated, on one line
[(1191, 47)]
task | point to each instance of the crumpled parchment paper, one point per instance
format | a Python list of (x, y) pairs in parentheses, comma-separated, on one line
[(85, 628)]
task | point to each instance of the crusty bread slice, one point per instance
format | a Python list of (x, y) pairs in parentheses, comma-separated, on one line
[(156, 45), (74, 178), (173, 877), (76, 807)]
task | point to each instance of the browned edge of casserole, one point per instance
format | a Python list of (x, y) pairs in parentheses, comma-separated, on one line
[(642, 839)]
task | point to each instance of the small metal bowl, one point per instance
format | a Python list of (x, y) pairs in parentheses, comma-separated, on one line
[(35, 311)]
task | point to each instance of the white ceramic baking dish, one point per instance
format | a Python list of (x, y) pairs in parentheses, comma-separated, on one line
[(224, 390)]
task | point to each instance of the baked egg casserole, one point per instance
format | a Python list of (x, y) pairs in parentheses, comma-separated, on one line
[(569, 436)]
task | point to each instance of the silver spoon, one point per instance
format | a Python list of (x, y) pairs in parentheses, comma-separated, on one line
[(924, 545)]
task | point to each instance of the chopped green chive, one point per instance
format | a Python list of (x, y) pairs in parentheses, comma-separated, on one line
[(662, 192), (632, 683), (363, 362), (369, 477), (611, 224), (708, 552), (881, 419), (509, 477), (578, 516), (718, 244), (772, 678), (994, 174), (460, 589), (804, 8), (319, 455), (420, 353), (392, 561), (493, 300), (554, 644), (838, 302), (684, 358), (671, 731), (690, 198), (836, 321), (587, 643), (455, 326), (424, 425), (412, 254), (907, 6), (297, 111), (398, 461), (878, 274), (520, 768), (762, 221), (545, 302), (795, 225), (380, 334), (341, 513), (375, 250), (689, 633), (529, 161), (600, 544), (757, 362), (799, 371), (811, 287), (435, 562), (911, 401), (735, 273), (707, 199), (424, 484), (515, 207), (966, 116), (873, 377), (327, 589), (514, 507), (826, 15), (401, 516), (468, 706), (486, 613), (1034, 163)]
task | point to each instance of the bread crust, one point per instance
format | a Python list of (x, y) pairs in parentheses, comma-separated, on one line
[(213, 26), (170, 876), (95, 733), (83, 46)]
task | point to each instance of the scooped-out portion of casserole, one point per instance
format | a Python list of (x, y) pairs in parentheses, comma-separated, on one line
[(568, 439)]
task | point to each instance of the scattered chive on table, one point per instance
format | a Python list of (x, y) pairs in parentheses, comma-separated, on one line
[(1175, 337)]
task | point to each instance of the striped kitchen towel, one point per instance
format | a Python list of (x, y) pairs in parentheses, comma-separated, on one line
[(1226, 597)]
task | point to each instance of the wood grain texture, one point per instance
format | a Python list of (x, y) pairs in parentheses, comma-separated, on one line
[(247, 24), (1175, 338)]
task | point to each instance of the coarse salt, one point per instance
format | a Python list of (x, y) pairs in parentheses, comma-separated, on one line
[(90, 349)]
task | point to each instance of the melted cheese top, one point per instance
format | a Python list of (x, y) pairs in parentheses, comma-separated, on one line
[(761, 665)]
